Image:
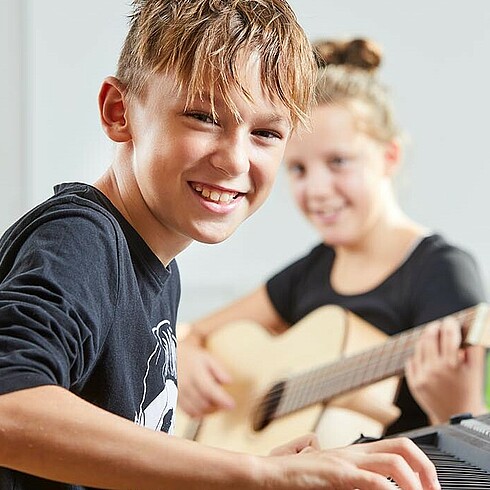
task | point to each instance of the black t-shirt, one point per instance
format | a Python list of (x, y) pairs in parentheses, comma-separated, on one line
[(435, 280), (86, 305)]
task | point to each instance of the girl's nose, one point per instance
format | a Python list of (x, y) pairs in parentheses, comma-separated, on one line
[(319, 183)]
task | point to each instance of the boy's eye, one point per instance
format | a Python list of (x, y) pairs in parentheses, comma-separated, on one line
[(203, 117), (264, 133)]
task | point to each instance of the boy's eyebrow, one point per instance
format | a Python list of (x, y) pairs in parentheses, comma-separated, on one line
[(272, 118), (277, 118)]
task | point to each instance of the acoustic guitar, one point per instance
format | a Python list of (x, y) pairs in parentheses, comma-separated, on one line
[(332, 373)]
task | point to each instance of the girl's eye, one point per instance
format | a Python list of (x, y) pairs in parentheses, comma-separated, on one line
[(296, 170), (338, 162)]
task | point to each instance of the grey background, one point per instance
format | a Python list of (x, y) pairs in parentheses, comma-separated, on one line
[(54, 54)]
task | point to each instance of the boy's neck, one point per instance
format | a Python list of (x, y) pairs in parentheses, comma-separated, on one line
[(118, 186)]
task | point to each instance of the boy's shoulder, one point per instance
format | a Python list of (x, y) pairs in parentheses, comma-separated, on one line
[(73, 206), (69, 200)]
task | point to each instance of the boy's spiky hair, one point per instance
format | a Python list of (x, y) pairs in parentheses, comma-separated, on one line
[(200, 42)]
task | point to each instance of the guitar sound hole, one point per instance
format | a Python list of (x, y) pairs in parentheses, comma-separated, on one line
[(266, 409)]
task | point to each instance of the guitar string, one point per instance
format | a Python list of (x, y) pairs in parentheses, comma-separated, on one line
[(387, 362), (360, 370), (311, 391), (336, 373), (357, 371)]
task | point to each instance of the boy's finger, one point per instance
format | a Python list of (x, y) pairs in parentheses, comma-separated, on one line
[(419, 462), (306, 443)]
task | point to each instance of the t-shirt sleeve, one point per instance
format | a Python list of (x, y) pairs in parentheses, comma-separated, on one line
[(281, 289), (57, 299), (448, 281)]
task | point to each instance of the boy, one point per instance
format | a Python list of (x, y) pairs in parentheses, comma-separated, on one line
[(206, 94)]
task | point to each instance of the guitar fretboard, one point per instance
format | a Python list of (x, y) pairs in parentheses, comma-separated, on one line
[(325, 382)]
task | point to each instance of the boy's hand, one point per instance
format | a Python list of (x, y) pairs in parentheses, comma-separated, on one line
[(360, 466), (201, 379), (444, 378), (301, 444)]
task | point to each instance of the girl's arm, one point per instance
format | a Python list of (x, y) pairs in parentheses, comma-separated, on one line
[(201, 377)]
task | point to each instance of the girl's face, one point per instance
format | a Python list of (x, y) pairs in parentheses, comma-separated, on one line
[(340, 176)]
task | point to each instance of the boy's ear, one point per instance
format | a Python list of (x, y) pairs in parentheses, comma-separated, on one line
[(393, 156), (112, 110)]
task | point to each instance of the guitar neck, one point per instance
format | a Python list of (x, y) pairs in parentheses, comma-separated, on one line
[(327, 381)]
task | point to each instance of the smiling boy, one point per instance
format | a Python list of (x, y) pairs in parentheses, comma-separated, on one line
[(221, 165), (205, 97)]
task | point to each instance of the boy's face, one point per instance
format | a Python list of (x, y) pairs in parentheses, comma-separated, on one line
[(200, 177)]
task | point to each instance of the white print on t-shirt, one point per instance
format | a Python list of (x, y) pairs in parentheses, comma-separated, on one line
[(157, 407)]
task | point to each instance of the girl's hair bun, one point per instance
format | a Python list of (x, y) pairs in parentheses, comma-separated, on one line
[(355, 53)]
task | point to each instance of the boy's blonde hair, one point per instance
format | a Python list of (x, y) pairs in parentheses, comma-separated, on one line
[(201, 41), (348, 75)]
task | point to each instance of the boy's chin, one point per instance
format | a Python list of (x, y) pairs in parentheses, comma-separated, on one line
[(215, 236)]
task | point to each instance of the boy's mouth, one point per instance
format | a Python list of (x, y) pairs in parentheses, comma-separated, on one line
[(214, 194)]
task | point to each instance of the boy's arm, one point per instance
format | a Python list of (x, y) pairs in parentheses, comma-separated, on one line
[(51, 433)]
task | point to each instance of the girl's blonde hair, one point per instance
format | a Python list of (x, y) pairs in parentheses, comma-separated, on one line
[(348, 75)]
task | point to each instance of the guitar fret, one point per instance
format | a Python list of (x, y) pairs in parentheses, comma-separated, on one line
[(372, 369)]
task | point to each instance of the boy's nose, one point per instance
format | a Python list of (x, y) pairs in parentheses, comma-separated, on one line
[(232, 158)]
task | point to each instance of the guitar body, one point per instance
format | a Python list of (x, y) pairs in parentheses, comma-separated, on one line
[(257, 360)]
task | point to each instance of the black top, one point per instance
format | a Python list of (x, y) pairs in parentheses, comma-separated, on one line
[(86, 305), (435, 280)]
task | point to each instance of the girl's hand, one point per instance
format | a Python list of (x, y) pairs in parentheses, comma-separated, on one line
[(444, 378), (201, 379)]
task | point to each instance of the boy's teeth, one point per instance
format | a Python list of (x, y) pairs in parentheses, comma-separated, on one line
[(213, 194)]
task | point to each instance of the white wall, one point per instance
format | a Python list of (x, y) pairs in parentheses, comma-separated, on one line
[(12, 159), (54, 54), (71, 47)]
